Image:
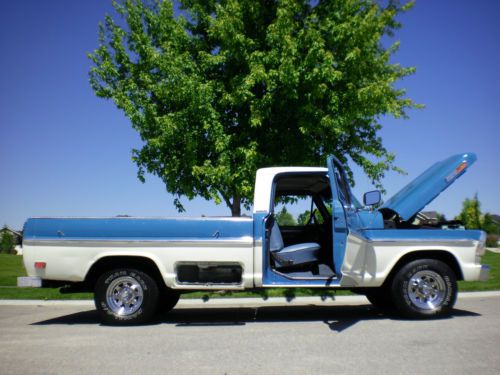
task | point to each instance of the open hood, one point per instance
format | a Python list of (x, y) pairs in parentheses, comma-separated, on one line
[(425, 188)]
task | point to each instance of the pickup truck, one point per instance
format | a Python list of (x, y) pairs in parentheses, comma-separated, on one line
[(138, 266)]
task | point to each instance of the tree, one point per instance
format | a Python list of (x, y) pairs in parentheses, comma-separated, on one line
[(283, 217), (228, 86), (304, 217), (470, 215), (441, 217), (472, 218), (7, 242), (489, 225)]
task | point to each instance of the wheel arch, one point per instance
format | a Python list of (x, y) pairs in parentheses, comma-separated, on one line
[(141, 263), (442, 255)]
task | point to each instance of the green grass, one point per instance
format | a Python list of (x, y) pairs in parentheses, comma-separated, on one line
[(11, 266), (493, 283)]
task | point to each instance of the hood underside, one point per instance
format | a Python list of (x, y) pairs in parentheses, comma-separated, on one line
[(425, 188)]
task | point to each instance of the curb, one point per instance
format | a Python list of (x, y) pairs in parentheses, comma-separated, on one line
[(241, 302)]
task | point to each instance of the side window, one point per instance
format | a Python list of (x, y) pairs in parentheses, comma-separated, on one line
[(343, 187)]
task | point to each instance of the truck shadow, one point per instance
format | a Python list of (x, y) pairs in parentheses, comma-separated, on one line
[(336, 318)]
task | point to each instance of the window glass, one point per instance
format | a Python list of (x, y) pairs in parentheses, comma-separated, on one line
[(293, 210), (342, 185)]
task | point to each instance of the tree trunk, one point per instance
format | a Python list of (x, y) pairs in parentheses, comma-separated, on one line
[(236, 205)]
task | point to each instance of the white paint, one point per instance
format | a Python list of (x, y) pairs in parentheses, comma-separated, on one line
[(369, 263), (264, 180), (72, 263)]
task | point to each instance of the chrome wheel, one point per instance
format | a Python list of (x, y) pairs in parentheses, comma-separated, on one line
[(427, 290), (124, 296)]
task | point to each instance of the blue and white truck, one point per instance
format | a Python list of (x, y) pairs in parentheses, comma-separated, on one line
[(136, 266)]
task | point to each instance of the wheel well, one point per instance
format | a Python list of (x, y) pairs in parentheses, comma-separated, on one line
[(139, 263), (441, 255)]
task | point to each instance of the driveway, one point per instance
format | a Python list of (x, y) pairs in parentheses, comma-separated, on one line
[(339, 337)]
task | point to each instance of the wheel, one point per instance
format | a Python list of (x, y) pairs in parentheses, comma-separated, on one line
[(425, 288), (168, 299), (125, 297), (380, 297)]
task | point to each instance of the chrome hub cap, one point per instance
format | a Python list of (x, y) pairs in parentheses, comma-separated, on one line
[(427, 290), (124, 296)]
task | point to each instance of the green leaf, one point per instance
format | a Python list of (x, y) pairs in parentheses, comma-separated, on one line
[(227, 87)]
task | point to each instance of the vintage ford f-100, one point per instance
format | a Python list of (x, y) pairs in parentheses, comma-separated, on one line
[(137, 266)]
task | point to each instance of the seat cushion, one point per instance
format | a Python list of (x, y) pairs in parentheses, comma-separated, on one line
[(299, 254)]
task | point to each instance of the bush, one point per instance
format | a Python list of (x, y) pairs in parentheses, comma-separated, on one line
[(7, 244), (492, 240)]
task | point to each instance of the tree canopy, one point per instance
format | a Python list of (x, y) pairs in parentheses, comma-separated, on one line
[(284, 218), (219, 88), (7, 243), (472, 218), (471, 215)]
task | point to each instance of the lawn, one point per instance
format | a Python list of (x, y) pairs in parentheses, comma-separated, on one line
[(493, 283), (11, 266)]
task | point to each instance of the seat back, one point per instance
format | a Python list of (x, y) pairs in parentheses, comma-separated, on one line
[(294, 255), (276, 241)]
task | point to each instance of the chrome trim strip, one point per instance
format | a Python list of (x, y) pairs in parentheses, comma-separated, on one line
[(415, 241), (142, 243), (411, 241)]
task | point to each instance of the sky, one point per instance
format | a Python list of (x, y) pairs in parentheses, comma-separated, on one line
[(65, 152)]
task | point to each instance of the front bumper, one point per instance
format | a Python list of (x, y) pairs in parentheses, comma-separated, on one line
[(484, 273)]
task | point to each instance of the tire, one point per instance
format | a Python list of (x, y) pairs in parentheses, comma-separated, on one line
[(168, 300), (425, 288), (126, 296), (381, 298)]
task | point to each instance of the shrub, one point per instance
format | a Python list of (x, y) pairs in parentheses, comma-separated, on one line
[(7, 243), (492, 240)]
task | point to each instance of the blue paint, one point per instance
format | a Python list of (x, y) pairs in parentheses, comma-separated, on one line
[(340, 218), (370, 220), (259, 232), (367, 224), (137, 228), (426, 187), (278, 280), (270, 277)]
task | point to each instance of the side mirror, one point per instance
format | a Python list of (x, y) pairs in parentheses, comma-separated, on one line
[(372, 198)]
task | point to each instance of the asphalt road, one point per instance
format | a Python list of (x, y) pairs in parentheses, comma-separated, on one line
[(331, 339)]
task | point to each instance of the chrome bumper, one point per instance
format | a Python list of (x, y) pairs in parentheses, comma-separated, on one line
[(485, 272)]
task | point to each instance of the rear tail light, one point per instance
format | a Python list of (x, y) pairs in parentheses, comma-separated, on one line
[(40, 265)]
